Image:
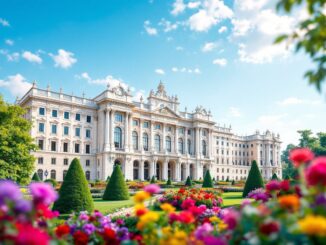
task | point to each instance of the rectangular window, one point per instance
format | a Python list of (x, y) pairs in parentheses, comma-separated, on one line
[(88, 133), (41, 144), (65, 161), (157, 126), (76, 148), (66, 115), (88, 149), (53, 161), (77, 117), (89, 119), (118, 117), (146, 125), (40, 160), (181, 130), (77, 132), (135, 122), (54, 113), (53, 146), (41, 111), (88, 162), (41, 127), (65, 147), (65, 130), (54, 129), (189, 132)]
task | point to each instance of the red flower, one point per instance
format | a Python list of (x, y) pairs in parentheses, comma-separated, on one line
[(80, 238), (301, 156), (45, 212), (269, 228), (62, 230), (273, 185), (186, 204), (285, 185), (316, 173), (110, 237), (29, 235), (186, 217)]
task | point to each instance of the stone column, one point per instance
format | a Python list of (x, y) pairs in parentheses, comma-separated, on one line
[(176, 138), (152, 137), (130, 132), (112, 130), (197, 143), (106, 130), (163, 140), (186, 141), (141, 170), (187, 170), (152, 169), (140, 136), (178, 171), (165, 170), (126, 132)]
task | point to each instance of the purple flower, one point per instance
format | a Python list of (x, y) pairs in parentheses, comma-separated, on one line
[(230, 217), (152, 189), (259, 195), (203, 231), (23, 206), (211, 240), (321, 200), (83, 216), (89, 229), (120, 222), (9, 191), (123, 233), (43, 193)]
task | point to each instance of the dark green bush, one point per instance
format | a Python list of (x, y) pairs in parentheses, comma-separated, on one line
[(153, 181), (117, 188), (208, 182), (188, 181), (168, 183), (254, 180), (274, 177), (53, 182), (36, 178), (74, 194)]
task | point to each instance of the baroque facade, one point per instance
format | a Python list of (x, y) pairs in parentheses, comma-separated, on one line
[(147, 139)]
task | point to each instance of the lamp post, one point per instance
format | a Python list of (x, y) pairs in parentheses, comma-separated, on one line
[(46, 174)]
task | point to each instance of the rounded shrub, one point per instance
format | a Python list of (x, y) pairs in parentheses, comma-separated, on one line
[(208, 182), (188, 181), (52, 182), (74, 194), (36, 178), (254, 180), (117, 188)]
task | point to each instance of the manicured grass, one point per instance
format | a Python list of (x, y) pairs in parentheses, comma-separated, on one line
[(107, 207), (232, 199)]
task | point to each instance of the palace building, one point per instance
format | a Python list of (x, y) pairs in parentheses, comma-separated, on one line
[(153, 138)]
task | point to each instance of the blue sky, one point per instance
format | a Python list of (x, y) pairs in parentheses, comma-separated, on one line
[(214, 53)]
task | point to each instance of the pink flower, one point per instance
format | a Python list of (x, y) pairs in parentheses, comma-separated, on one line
[(27, 234), (186, 204), (273, 185), (316, 172), (230, 217), (152, 189), (301, 156), (43, 193)]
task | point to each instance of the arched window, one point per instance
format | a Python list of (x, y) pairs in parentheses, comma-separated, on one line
[(136, 170), (88, 175), (40, 173), (168, 144), (118, 138), (157, 143), (146, 170), (64, 174), (135, 140), (53, 174), (145, 141), (204, 148), (180, 143), (189, 147)]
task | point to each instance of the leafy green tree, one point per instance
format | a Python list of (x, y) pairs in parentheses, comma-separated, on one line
[(117, 188), (36, 178), (16, 162), (188, 182), (288, 168), (208, 182), (309, 36), (153, 181), (254, 180), (108, 179), (307, 139), (74, 194)]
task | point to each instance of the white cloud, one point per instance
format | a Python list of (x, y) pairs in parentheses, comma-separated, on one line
[(9, 42), (16, 84), (10, 56), (197, 71), (179, 48), (108, 80), (175, 69), (234, 112), (222, 29), (193, 5), (186, 70), (220, 62), (150, 30), (64, 59), (34, 58), (241, 27), (4, 22), (159, 71), (178, 7), (168, 25), (270, 120), (297, 101), (245, 5), (209, 46)]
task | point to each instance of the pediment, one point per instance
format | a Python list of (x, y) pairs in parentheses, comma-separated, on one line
[(166, 111)]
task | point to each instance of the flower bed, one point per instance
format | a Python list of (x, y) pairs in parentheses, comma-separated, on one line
[(282, 213)]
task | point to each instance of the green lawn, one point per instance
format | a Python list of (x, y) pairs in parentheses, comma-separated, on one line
[(232, 199), (106, 207)]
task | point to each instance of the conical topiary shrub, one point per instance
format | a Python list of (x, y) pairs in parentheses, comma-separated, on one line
[(74, 194), (169, 182), (208, 183), (188, 181), (116, 189), (153, 181), (274, 177), (36, 178), (108, 179), (233, 182), (254, 180), (287, 177)]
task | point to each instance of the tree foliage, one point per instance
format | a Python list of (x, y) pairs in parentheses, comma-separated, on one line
[(254, 180), (208, 182), (16, 162), (74, 194), (309, 36), (117, 188)]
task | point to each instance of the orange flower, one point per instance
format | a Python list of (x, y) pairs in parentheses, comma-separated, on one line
[(290, 202)]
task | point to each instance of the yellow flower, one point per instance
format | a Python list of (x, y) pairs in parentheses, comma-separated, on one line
[(214, 219), (180, 235), (166, 230), (221, 226), (167, 207), (141, 196), (313, 225)]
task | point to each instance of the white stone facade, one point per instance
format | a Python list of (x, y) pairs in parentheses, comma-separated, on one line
[(146, 139)]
